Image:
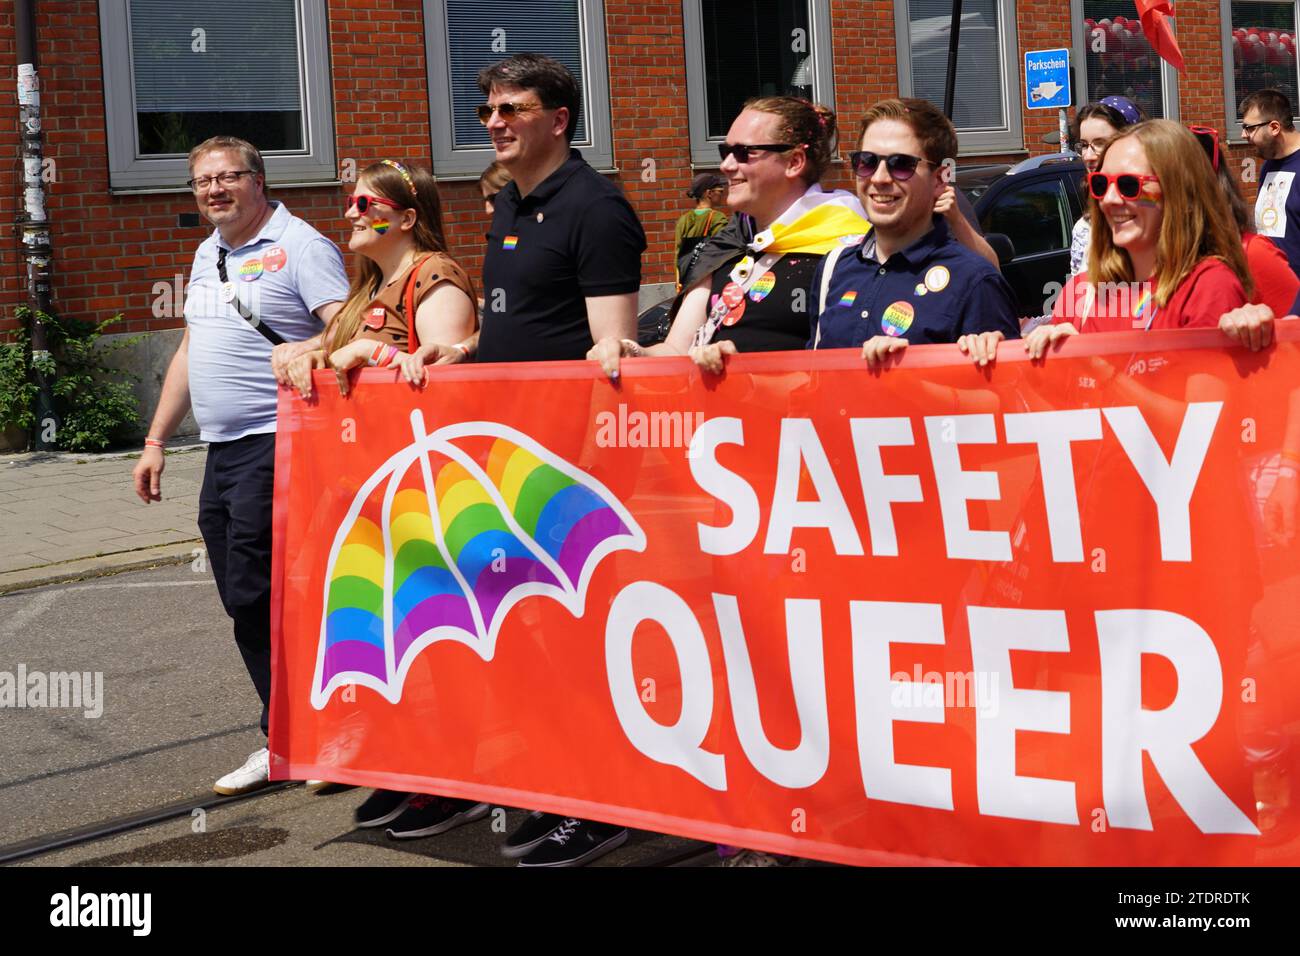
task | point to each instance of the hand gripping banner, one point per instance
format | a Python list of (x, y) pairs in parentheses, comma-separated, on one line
[(1033, 614)]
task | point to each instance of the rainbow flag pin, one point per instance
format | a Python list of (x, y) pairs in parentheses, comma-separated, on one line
[(510, 243), (848, 298)]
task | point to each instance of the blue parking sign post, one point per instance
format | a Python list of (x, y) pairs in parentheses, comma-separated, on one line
[(1047, 79)]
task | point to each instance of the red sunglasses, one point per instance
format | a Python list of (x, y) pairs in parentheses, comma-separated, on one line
[(1128, 184), (1208, 137), (363, 202)]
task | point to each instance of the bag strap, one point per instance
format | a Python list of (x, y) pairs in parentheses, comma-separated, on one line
[(408, 296), (828, 268), (718, 310), (230, 294)]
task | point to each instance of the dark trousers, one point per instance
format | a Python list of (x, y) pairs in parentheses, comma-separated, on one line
[(235, 521)]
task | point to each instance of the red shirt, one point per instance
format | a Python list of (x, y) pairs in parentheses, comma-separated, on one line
[(1275, 284), (1209, 290)]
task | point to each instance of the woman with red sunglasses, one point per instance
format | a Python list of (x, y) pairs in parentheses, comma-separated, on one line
[(402, 264), (1165, 252), (402, 268)]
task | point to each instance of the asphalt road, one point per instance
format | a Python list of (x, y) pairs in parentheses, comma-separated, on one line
[(177, 712)]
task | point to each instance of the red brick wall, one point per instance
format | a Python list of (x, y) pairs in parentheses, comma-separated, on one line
[(109, 251)]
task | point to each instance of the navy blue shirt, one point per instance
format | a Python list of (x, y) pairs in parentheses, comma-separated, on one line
[(934, 291)]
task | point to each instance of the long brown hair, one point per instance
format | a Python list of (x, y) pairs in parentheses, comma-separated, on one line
[(389, 180), (1197, 222)]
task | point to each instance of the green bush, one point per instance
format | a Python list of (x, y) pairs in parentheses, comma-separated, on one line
[(95, 404)]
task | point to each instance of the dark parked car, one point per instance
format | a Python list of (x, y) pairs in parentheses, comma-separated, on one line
[(1034, 205)]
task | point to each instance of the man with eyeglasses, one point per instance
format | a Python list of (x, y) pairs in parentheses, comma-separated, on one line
[(263, 276), (561, 271), (1266, 123), (909, 281)]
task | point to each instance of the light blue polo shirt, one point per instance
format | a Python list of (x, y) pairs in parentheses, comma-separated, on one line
[(285, 273)]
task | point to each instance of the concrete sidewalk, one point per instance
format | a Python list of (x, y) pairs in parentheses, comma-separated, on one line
[(65, 515)]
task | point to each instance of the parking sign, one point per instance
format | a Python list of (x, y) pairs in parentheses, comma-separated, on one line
[(1047, 79)]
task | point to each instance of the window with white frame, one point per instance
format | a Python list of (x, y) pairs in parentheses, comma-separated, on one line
[(464, 36), (738, 49), (986, 94), (256, 69), (1119, 61), (1259, 45)]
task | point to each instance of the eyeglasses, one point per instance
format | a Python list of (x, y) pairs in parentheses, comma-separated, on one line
[(1248, 128), (228, 178), (1128, 184), (742, 150), (1097, 145), (363, 202), (1208, 137), (507, 111), (901, 166)]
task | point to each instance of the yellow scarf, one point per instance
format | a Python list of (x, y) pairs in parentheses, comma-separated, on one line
[(817, 222)]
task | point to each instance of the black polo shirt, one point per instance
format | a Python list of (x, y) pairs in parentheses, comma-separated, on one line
[(573, 236)]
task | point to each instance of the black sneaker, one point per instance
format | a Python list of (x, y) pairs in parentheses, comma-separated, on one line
[(427, 815), (382, 806), (537, 826), (575, 843)]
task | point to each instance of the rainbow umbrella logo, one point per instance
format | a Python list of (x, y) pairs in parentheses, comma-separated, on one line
[(445, 538)]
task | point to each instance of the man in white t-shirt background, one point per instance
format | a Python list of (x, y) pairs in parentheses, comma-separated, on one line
[(1267, 124)]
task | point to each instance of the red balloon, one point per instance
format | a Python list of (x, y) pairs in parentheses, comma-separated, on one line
[(1275, 54), (1253, 53), (1121, 19)]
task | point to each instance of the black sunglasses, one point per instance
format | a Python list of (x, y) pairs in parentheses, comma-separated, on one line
[(901, 166), (741, 150)]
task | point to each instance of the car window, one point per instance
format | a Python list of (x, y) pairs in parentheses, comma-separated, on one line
[(1035, 216)]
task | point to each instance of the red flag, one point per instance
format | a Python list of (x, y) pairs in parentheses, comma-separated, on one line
[(1154, 15)]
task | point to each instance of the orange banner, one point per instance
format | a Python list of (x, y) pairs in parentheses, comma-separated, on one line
[(1038, 614)]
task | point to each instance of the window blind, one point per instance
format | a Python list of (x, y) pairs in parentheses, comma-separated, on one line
[(481, 32), (245, 60)]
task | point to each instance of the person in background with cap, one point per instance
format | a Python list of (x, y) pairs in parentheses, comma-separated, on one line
[(282, 275), (709, 190), (1096, 125)]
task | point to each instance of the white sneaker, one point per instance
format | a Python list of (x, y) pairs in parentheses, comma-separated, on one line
[(253, 775)]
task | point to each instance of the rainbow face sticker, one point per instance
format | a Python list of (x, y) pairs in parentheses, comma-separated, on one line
[(762, 286), (381, 226), (510, 242), (1151, 195), (897, 318), (848, 298)]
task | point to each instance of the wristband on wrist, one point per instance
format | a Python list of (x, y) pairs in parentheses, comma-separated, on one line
[(633, 349), (376, 352), (390, 353), (462, 348), (154, 443)]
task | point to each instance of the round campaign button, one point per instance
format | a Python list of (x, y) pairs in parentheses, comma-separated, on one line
[(274, 259), (375, 318), (762, 286), (733, 316), (936, 279), (897, 318), (733, 295), (251, 270)]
